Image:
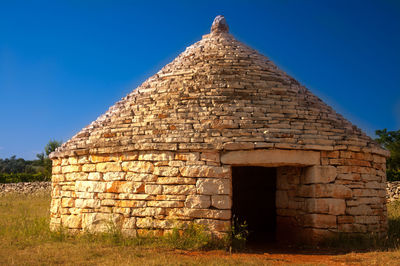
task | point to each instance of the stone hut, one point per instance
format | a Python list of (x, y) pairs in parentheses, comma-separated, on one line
[(221, 134)]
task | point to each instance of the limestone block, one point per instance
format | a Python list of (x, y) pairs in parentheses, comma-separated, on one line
[(324, 205), (325, 191), (75, 176), (365, 192), (281, 199), (206, 171), (319, 174), (198, 201), (108, 202), (70, 169), (360, 210), (84, 195), (95, 176), (193, 156), (370, 177), (57, 178), (166, 171), (87, 203), (89, 167), (156, 156), (366, 219), (171, 197), (165, 204), (138, 167), (179, 189), (146, 222), (352, 228), (129, 203), (345, 219), (131, 176), (221, 202), (83, 160), (201, 213), (126, 212), (55, 205), (90, 186), (153, 189), (213, 186), (129, 223), (101, 222), (272, 158), (149, 211), (56, 170), (113, 176), (71, 221), (351, 177), (176, 180), (99, 158), (129, 156), (72, 160), (108, 167), (67, 202), (210, 157), (122, 186), (320, 221)]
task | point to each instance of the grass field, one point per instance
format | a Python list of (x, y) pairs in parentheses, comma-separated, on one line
[(26, 240)]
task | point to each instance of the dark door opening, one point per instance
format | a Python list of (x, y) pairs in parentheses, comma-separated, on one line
[(253, 190)]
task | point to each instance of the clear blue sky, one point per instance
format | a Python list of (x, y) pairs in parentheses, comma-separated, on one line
[(63, 63)]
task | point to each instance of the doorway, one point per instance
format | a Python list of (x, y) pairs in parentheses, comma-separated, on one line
[(253, 197)]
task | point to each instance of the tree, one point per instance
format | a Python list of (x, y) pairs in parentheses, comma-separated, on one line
[(52, 146), (44, 162), (391, 141)]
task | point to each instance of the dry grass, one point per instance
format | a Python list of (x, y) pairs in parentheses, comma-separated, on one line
[(26, 240)]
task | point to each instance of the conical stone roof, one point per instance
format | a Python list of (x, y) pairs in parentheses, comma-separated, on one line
[(219, 94)]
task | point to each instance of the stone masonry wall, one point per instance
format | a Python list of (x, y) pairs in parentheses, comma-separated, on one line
[(155, 191)]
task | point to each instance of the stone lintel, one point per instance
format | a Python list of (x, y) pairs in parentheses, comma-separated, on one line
[(271, 158)]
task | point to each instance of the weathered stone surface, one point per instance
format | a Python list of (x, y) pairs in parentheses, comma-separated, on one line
[(325, 191), (138, 167), (328, 206), (101, 222), (320, 221), (71, 221), (319, 174), (156, 156), (153, 189), (166, 171), (213, 186), (90, 186), (198, 201), (108, 167), (87, 203), (179, 189), (221, 202), (272, 158), (205, 171), (113, 176)]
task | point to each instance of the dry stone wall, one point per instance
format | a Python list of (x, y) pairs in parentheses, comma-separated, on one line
[(144, 190), (156, 191)]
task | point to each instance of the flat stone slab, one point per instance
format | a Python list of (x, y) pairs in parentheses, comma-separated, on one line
[(271, 158)]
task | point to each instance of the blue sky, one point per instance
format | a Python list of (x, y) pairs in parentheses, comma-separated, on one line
[(63, 63)]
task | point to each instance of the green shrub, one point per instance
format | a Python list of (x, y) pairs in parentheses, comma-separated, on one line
[(23, 177), (238, 235), (193, 237)]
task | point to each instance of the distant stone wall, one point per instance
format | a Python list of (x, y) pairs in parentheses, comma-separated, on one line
[(25, 187), (393, 191)]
